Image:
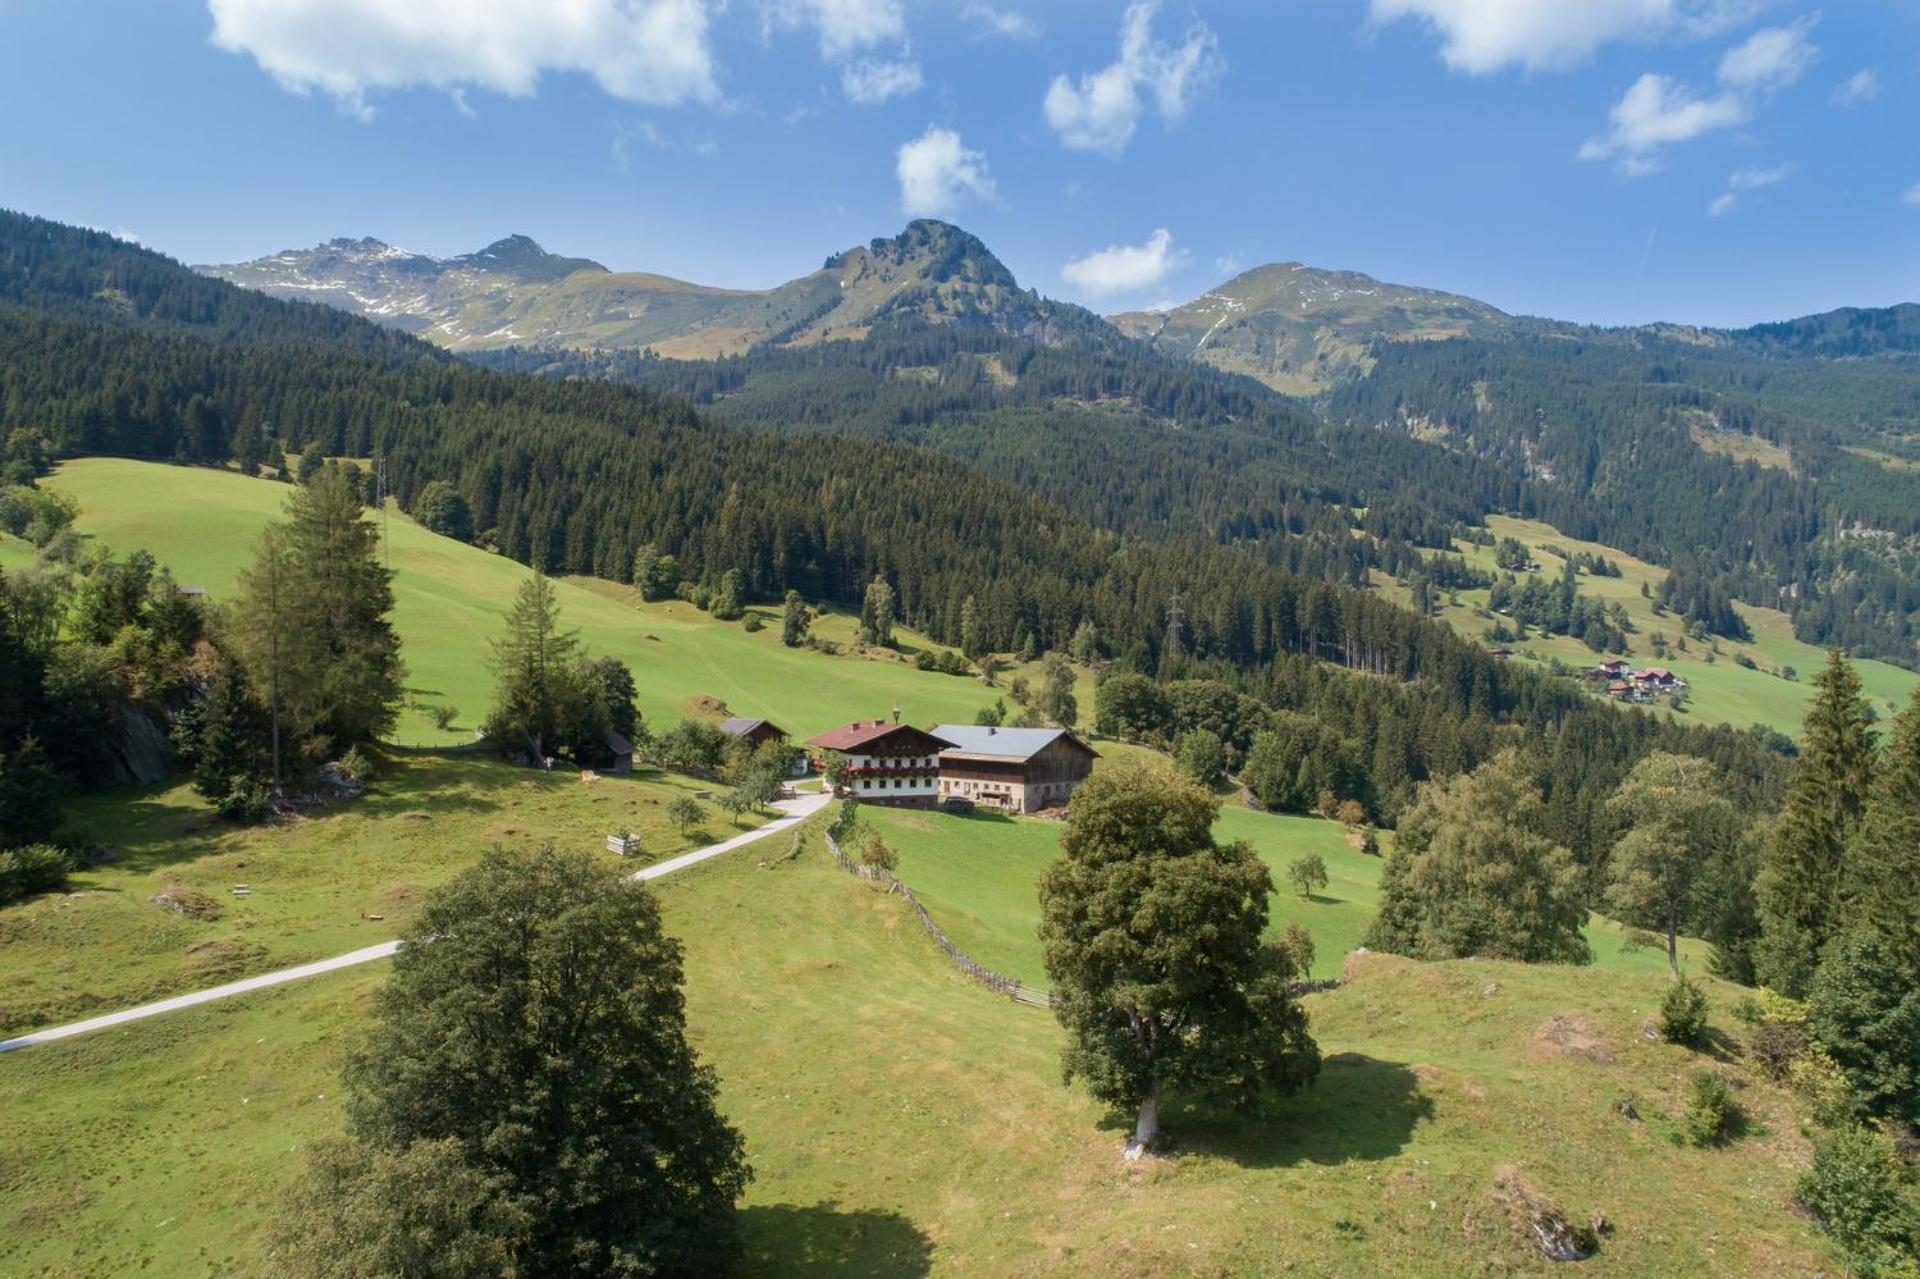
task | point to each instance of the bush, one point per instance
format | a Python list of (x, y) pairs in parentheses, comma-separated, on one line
[(1779, 1033), (1683, 1012), (246, 801), (33, 869), (355, 764), (754, 622), (1710, 1109), (1297, 945), (1858, 1191), (1823, 1085), (877, 855), (443, 715)]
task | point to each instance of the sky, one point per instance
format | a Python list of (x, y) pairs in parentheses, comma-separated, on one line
[(1716, 162)]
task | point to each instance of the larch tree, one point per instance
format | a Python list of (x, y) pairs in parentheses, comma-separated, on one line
[(1802, 884), (1152, 937), (538, 688), (1674, 827)]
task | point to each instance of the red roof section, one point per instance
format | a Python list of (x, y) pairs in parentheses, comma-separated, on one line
[(864, 733)]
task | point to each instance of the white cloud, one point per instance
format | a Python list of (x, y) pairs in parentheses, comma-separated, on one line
[(1744, 180), (937, 171), (1655, 112), (1227, 264), (846, 26), (1862, 86), (1125, 268), (1770, 59), (649, 51), (1100, 111), (1910, 196), (872, 80), (1658, 111), (1011, 23), (1484, 36)]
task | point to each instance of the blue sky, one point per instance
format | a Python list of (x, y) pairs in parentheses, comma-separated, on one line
[(1712, 161)]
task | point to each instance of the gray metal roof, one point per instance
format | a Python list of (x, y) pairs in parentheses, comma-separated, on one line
[(1012, 743)]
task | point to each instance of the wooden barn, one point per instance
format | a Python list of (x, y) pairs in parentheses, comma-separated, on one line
[(1021, 770)]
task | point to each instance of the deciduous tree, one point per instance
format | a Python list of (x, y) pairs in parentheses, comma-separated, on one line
[(1152, 936)]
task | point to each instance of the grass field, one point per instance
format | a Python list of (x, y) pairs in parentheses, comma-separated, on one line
[(903, 1121), (450, 599), (976, 875), (1720, 690), (313, 882)]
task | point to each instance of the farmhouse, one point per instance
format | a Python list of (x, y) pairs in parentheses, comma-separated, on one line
[(757, 733), (887, 763), (1614, 669), (1658, 679), (1019, 769), (754, 732)]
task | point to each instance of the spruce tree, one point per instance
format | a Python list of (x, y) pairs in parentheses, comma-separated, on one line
[(1884, 863), (729, 601), (313, 613), (1802, 885), (973, 638)]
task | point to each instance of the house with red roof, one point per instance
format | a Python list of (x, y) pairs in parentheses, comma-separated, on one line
[(887, 762)]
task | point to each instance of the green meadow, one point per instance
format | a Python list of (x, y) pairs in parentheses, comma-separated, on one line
[(976, 875), (162, 917), (904, 1121), (450, 599), (1720, 689)]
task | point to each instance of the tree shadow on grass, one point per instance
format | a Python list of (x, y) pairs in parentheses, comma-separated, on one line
[(823, 1240), (1359, 1108)]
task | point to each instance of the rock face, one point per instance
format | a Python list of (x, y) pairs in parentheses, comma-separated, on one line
[(1545, 1222), (135, 752)]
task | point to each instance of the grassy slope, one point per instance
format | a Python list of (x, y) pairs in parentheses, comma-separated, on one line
[(1720, 690), (976, 875), (450, 598), (902, 1120), (108, 945)]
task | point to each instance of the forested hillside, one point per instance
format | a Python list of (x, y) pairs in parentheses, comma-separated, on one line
[(109, 349)]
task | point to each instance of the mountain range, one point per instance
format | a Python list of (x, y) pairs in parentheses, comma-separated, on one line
[(1299, 329), (515, 293)]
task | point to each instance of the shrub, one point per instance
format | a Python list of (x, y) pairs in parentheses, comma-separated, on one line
[(877, 855), (443, 715), (35, 868), (1683, 1012), (246, 801), (1858, 1191), (355, 764), (1297, 945), (1823, 1085), (1710, 1109), (754, 622), (1779, 1033)]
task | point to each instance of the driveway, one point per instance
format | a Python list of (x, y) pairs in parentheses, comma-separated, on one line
[(793, 812)]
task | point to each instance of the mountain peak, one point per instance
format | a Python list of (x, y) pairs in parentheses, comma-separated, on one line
[(1302, 329), (521, 255)]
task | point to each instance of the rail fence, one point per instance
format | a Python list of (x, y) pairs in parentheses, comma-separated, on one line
[(1008, 986)]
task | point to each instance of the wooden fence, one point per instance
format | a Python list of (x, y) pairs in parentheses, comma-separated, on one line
[(1007, 986)]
